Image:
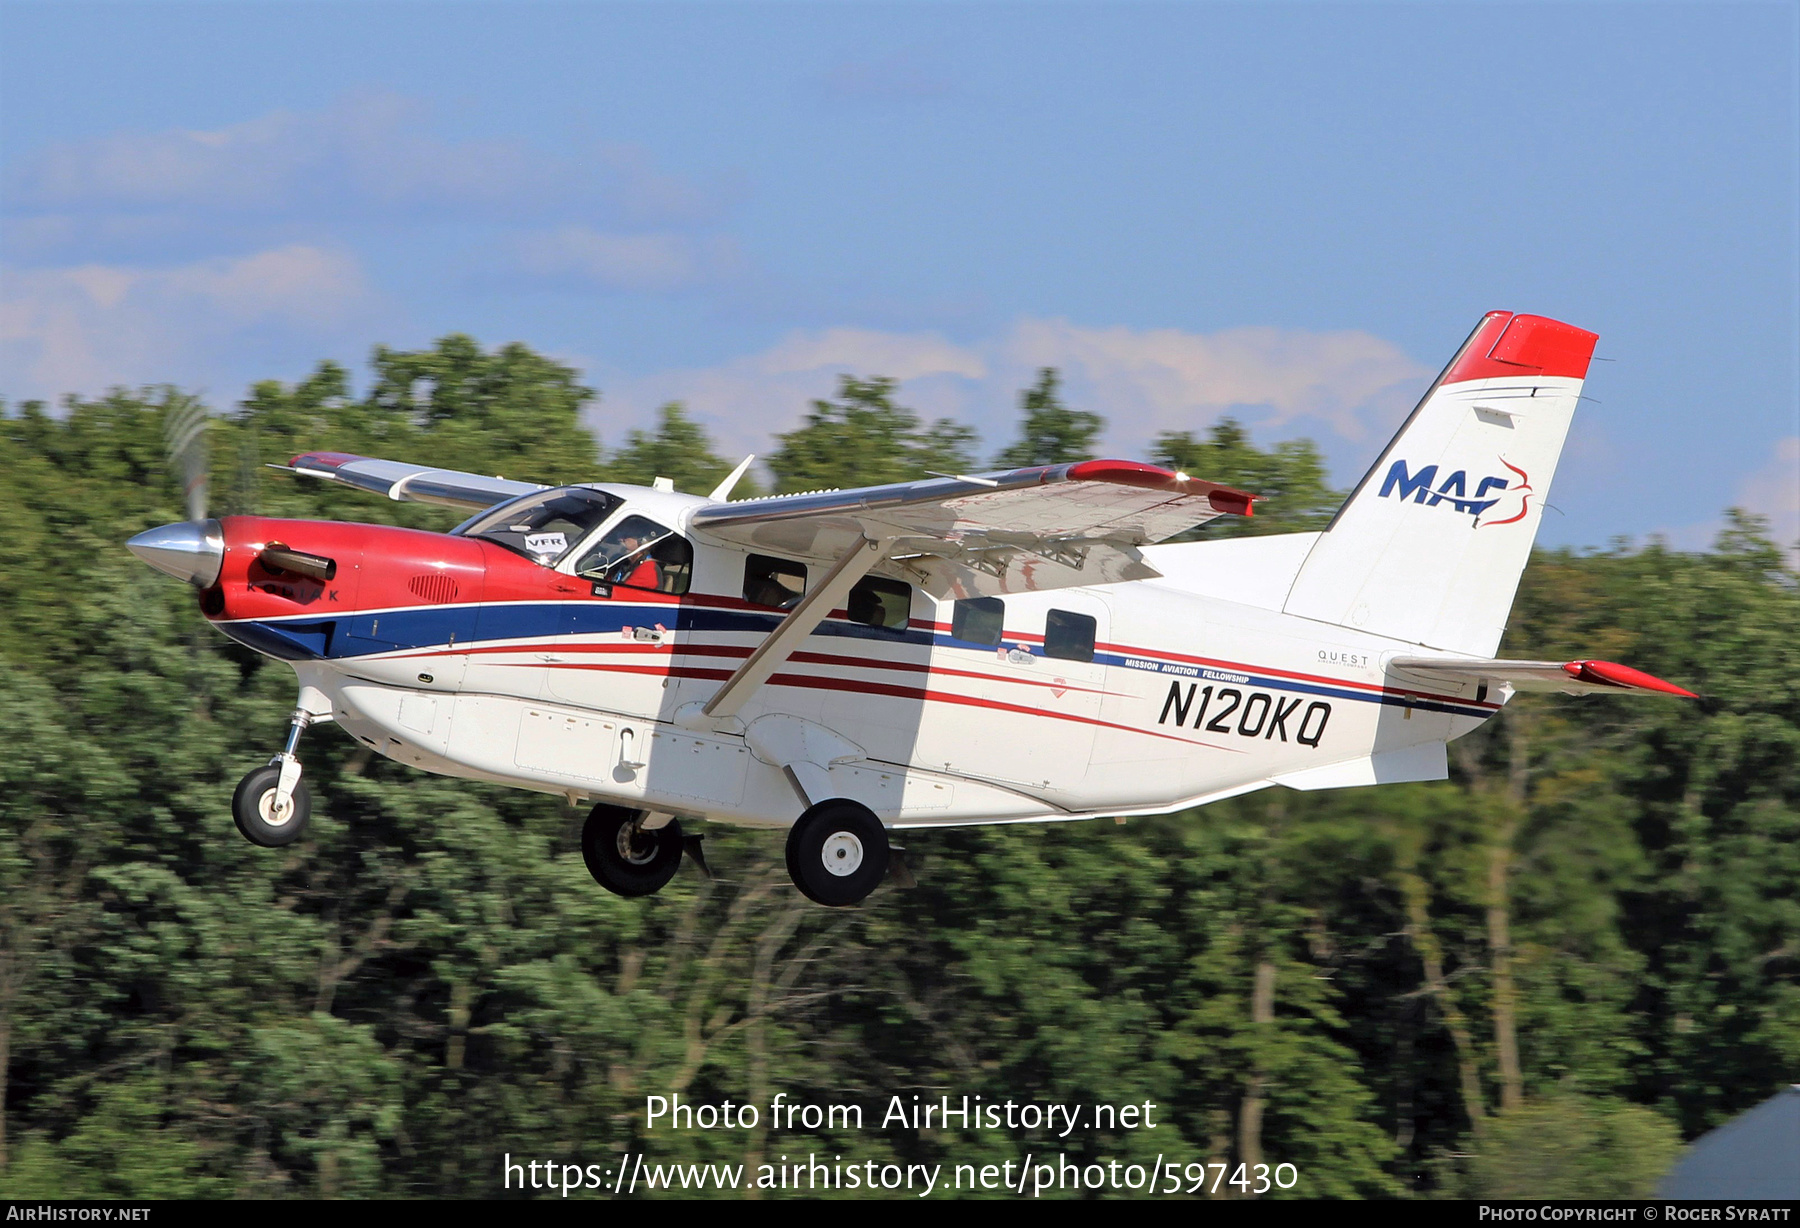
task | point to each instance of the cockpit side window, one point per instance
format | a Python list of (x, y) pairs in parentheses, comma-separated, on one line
[(639, 553), (544, 526)]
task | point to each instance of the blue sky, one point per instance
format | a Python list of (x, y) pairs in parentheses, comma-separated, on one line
[(1289, 213)]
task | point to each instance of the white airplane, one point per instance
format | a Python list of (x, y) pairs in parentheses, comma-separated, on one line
[(1000, 648)]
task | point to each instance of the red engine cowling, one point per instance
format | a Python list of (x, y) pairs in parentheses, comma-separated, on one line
[(367, 567), (303, 589)]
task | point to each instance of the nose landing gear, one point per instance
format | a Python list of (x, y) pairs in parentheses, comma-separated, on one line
[(627, 857), (273, 804)]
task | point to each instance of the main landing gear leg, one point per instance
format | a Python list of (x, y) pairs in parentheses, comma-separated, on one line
[(273, 804)]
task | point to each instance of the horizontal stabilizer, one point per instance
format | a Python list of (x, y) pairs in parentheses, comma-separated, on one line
[(1567, 677)]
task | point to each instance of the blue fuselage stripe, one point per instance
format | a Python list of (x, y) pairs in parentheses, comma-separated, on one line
[(358, 635)]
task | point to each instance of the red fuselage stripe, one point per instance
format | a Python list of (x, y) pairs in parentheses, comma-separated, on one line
[(820, 683)]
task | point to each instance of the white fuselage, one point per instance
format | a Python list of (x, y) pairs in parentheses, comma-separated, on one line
[(1199, 688)]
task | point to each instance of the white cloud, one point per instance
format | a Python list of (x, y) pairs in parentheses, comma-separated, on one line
[(1774, 491), (1165, 377), (656, 262), (84, 328), (366, 153), (746, 401), (901, 356), (1142, 381)]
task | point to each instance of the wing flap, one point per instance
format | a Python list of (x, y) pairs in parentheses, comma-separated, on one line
[(1584, 677), (404, 482)]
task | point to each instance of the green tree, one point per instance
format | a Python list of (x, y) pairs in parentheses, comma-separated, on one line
[(511, 408), (1289, 477), (679, 450), (1051, 433), (1588, 933), (864, 438), (1568, 1147)]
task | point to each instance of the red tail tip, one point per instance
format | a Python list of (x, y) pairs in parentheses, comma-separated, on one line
[(1506, 344)]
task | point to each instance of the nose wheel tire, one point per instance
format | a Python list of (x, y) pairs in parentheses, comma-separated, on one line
[(837, 852), (260, 816), (625, 858)]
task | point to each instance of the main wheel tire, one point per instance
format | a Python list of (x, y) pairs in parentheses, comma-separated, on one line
[(258, 818), (837, 852), (627, 859)]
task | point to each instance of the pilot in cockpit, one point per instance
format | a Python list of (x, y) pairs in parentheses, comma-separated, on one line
[(638, 553)]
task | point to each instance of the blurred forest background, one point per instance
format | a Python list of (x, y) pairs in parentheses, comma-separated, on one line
[(1536, 978)]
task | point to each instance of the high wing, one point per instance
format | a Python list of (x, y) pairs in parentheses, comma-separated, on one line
[(1568, 677), (408, 483), (1050, 526), (1026, 530)]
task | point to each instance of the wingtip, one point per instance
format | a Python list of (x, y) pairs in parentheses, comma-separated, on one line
[(1226, 499), (1234, 502), (1611, 673), (323, 460)]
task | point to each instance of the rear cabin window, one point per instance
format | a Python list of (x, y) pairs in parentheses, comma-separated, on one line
[(773, 582), (1069, 637), (978, 620), (878, 602)]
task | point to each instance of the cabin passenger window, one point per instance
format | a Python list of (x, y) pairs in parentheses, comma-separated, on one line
[(773, 582), (1069, 637), (639, 553), (979, 620), (876, 602)]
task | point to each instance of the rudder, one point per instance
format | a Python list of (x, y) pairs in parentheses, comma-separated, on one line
[(1430, 545)]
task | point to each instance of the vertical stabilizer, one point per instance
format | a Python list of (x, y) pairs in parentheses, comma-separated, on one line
[(1430, 545)]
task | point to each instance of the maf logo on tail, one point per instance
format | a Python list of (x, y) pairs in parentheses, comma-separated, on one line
[(1454, 490)]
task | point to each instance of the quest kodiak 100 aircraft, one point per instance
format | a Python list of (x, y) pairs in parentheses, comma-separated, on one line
[(994, 648)]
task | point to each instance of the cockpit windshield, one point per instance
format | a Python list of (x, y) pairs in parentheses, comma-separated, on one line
[(544, 526)]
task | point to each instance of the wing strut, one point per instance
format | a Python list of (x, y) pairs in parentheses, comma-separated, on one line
[(825, 597)]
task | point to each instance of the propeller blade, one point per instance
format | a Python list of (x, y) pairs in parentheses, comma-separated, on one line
[(184, 433)]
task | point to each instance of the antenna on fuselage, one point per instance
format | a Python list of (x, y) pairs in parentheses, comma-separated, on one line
[(722, 491)]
